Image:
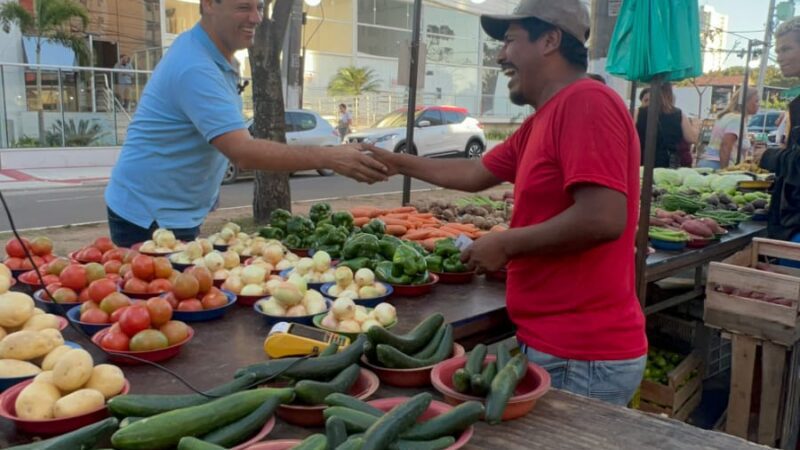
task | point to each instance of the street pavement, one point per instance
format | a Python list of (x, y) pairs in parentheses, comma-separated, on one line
[(41, 206)]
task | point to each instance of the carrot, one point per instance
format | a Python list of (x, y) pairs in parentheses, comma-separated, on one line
[(363, 211), (360, 221), (442, 233), (396, 230), (423, 215), (392, 221), (401, 210), (403, 216), (418, 235), (499, 227), (462, 226)]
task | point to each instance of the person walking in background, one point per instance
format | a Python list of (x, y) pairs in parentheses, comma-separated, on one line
[(644, 98), (725, 134), (124, 80), (345, 121), (670, 131)]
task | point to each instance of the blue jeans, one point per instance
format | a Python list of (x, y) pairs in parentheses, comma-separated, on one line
[(707, 164), (610, 381), (790, 262), (125, 234)]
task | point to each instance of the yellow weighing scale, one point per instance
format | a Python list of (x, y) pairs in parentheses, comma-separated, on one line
[(294, 339)]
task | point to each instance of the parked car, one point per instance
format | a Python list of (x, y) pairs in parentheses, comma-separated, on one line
[(303, 127), (440, 131), (765, 123)]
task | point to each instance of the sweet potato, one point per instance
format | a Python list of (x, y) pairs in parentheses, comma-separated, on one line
[(697, 228)]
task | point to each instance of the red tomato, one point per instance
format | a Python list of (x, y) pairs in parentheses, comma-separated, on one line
[(158, 286), (104, 244), (88, 305), (114, 277), (160, 311), (94, 315), (84, 296), (214, 299), (117, 254), (50, 279), (99, 289), (13, 263), (90, 254), (42, 246), (190, 305), (162, 267), (170, 297), (112, 266), (114, 317), (74, 277), (143, 267), (134, 320), (175, 331), (135, 286), (115, 341), (14, 247)]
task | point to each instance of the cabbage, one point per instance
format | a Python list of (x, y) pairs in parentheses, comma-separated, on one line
[(666, 177), (696, 181), (728, 183)]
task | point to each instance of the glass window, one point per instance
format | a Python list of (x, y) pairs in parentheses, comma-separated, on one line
[(451, 22), (444, 49), (331, 9), (303, 121), (390, 13), (491, 49), (327, 36), (380, 41), (772, 119), (434, 116), (289, 117), (451, 117), (181, 15)]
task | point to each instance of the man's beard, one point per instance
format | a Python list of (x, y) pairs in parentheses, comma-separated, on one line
[(517, 98)]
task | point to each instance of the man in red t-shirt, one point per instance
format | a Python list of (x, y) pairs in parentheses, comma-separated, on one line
[(575, 167)]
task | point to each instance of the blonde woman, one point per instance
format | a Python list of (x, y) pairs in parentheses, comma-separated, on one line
[(725, 134)]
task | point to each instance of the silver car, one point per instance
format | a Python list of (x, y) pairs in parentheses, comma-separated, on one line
[(303, 127)]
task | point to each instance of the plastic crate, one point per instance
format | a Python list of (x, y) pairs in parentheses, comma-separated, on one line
[(684, 335)]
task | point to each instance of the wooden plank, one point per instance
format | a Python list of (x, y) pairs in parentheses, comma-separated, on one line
[(790, 271), (646, 406), (684, 369), (685, 393), (791, 412), (751, 326), (773, 362), (690, 405), (657, 393), (742, 366), (776, 249), (746, 307), (745, 278)]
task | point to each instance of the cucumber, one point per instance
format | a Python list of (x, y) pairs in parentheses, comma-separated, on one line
[(319, 368), (192, 443), (436, 444), (411, 342), (237, 432), (353, 403), (461, 380), (81, 439), (335, 431), (502, 388), (450, 423), (150, 405), (481, 382), (313, 442), (431, 346), (129, 420), (314, 392), (352, 443), (475, 359), (393, 358), (399, 419), (354, 421), (503, 356), (165, 430), (330, 350)]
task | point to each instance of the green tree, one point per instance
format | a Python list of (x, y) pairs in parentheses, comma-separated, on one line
[(53, 20), (354, 81)]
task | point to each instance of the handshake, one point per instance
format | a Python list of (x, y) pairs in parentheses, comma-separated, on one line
[(364, 162)]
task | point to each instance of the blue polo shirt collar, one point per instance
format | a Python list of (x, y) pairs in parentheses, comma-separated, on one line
[(199, 33)]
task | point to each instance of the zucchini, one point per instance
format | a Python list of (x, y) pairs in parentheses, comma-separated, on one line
[(237, 432), (481, 382), (461, 380), (165, 430), (475, 359), (431, 346), (502, 388), (330, 350), (335, 431), (352, 443), (314, 392), (138, 405), (129, 420), (351, 402), (411, 342), (313, 442), (192, 443), (81, 439), (354, 421), (435, 444), (503, 356), (450, 423), (393, 358), (319, 368), (399, 419)]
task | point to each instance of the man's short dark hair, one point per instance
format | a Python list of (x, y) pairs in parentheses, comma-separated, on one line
[(644, 92), (571, 48), (342, 105)]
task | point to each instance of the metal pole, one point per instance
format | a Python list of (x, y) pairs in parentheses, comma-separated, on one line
[(743, 101), (61, 108), (762, 70), (634, 87), (114, 110), (5, 106), (412, 95), (647, 188), (91, 63)]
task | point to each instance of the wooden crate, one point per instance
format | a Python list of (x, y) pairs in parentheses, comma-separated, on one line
[(758, 318), (679, 397)]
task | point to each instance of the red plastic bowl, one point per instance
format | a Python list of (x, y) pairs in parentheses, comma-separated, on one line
[(418, 377), (153, 254), (436, 408), (456, 277), (48, 427), (249, 300), (150, 355), (533, 385), (407, 290), (268, 426), (311, 416), (301, 252), (280, 444), (699, 243)]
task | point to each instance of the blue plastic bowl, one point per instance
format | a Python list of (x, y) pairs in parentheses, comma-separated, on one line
[(52, 307), (668, 246), (285, 275), (759, 218), (305, 320), (368, 302), (6, 383), (74, 315), (206, 314), (220, 248), (180, 267)]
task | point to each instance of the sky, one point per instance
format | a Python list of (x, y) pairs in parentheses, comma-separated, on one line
[(748, 17)]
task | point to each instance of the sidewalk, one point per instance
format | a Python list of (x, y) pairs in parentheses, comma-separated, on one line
[(25, 179)]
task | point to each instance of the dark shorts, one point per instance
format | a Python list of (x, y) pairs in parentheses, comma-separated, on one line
[(125, 234)]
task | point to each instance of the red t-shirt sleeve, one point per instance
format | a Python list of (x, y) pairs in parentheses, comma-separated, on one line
[(594, 141), (502, 159)]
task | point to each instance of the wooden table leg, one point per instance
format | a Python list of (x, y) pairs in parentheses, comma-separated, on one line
[(791, 412), (773, 362), (742, 367)]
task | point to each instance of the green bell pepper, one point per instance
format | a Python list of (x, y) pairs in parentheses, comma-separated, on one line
[(453, 264), (336, 236), (342, 219), (434, 263), (319, 211), (360, 245), (375, 226), (409, 259), (293, 241), (271, 233), (358, 263), (385, 272), (388, 245), (446, 248), (323, 229), (334, 250), (420, 278), (299, 225), (309, 241), (416, 246), (279, 218)]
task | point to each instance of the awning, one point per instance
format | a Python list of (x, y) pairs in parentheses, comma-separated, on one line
[(52, 54), (791, 93)]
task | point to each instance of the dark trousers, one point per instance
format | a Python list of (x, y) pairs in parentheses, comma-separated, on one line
[(125, 234)]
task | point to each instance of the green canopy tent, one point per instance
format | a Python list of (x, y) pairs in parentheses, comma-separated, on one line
[(654, 41)]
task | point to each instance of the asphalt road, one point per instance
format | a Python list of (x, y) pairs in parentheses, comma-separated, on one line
[(64, 206)]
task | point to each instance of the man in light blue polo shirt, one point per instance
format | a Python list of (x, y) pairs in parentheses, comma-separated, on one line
[(189, 124)]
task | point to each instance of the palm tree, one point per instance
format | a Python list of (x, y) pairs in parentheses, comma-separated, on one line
[(52, 20), (354, 81)]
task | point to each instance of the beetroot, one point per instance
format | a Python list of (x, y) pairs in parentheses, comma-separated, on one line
[(697, 228)]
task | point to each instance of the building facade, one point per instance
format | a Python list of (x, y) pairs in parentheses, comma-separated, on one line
[(713, 38)]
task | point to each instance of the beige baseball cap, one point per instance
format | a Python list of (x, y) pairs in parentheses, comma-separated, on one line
[(571, 16)]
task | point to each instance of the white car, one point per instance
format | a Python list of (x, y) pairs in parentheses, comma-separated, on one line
[(303, 127), (440, 131)]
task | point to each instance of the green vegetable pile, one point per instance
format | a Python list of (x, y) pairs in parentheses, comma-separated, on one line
[(446, 257)]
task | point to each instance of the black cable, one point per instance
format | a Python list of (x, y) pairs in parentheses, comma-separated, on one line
[(84, 335)]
